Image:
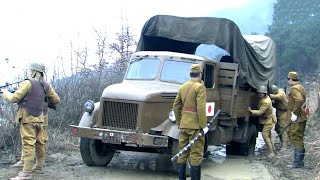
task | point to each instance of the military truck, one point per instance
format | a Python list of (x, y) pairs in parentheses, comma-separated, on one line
[(136, 115)]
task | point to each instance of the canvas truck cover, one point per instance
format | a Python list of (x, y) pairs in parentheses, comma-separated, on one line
[(255, 54)]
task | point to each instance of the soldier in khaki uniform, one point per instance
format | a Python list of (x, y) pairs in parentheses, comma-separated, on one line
[(190, 112), (279, 97), (296, 111), (31, 97), (266, 118)]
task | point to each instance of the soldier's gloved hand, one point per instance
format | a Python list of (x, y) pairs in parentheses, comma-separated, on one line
[(293, 117), (205, 130), (12, 90)]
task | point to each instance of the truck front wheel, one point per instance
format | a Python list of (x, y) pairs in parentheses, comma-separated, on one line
[(95, 153)]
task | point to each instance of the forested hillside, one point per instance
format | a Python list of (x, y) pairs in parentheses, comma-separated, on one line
[(296, 31)]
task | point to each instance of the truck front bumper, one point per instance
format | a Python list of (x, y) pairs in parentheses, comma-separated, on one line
[(120, 137)]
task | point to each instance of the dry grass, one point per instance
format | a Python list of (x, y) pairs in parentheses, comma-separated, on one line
[(61, 141)]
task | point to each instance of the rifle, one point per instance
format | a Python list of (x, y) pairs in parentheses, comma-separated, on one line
[(201, 133), (50, 105), (285, 89), (47, 99), (10, 84), (268, 88), (285, 128)]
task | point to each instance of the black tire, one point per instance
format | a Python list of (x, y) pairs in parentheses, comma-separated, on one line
[(233, 148), (95, 153), (247, 148)]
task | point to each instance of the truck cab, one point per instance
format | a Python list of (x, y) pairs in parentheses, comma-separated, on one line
[(134, 115)]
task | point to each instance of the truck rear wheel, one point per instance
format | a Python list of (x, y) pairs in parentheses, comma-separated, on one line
[(94, 152), (248, 147)]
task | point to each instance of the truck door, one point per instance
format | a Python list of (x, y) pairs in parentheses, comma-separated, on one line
[(209, 78)]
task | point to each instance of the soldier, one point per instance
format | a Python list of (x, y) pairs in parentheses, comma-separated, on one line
[(190, 112), (266, 118), (31, 97), (296, 111), (280, 103), (53, 100)]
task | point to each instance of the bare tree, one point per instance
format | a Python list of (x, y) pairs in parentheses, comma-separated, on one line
[(102, 45), (125, 40)]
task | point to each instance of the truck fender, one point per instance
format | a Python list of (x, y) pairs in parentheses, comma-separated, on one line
[(87, 119), (168, 128)]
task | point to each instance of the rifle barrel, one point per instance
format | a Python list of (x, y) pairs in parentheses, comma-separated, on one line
[(10, 84)]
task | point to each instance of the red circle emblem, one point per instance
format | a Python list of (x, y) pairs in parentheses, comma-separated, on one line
[(209, 109)]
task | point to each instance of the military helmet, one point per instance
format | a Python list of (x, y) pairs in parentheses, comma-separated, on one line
[(274, 89), (262, 89), (38, 67)]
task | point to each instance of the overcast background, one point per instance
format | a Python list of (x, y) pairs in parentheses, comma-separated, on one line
[(41, 30)]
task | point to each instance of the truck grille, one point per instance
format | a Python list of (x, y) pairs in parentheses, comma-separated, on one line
[(120, 115)]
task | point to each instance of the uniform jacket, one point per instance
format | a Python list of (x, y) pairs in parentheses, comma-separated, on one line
[(192, 113), (296, 101), (280, 100), (265, 111), (22, 115), (280, 103)]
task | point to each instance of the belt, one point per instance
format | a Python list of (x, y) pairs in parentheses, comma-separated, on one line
[(190, 109)]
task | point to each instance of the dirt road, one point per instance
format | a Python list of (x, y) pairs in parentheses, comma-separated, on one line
[(138, 166)]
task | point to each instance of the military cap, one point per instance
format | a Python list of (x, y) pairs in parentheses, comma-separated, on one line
[(195, 68), (292, 75)]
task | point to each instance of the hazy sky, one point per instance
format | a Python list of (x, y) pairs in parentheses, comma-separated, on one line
[(42, 30)]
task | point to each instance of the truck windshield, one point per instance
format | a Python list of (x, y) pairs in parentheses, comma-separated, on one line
[(143, 68), (175, 71)]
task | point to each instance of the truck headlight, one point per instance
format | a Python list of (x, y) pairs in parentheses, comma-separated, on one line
[(89, 106), (172, 117)]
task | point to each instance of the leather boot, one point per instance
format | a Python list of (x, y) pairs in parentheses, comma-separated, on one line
[(195, 172), (298, 158), (182, 171)]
